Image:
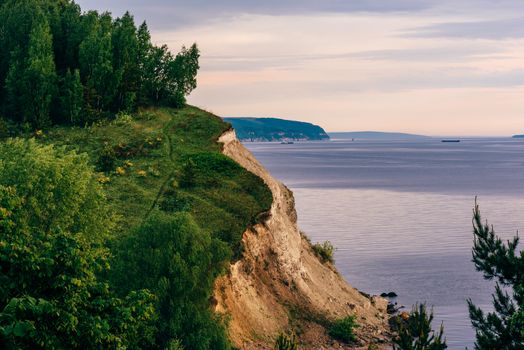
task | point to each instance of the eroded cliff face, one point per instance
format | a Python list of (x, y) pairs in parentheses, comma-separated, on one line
[(279, 285)]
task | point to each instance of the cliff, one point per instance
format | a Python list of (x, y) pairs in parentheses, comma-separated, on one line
[(168, 163), (280, 285), (274, 129)]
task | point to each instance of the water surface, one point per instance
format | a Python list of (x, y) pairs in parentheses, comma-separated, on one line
[(399, 213)]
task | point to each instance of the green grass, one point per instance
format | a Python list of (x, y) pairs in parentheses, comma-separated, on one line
[(153, 150)]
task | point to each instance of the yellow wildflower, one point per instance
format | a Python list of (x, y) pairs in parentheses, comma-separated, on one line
[(103, 179), (141, 173), (120, 171)]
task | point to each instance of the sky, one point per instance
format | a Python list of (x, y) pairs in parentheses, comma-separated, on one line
[(434, 67)]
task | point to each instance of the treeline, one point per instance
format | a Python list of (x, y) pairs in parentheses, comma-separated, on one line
[(61, 66)]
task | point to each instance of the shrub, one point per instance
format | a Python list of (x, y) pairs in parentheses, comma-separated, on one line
[(122, 118), (188, 177), (324, 251), (286, 342), (174, 344), (107, 159), (415, 333), (173, 200), (343, 329), (171, 256)]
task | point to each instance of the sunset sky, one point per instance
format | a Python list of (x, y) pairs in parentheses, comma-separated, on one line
[(436, 67)]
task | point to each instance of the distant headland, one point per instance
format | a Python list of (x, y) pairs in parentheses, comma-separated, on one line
[(274, 129), (518, 136), (375, 135)]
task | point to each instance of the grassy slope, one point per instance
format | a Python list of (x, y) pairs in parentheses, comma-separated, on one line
[(152, 151)]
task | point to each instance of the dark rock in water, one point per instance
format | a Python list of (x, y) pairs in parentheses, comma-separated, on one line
[(391, 309), (389, 295)]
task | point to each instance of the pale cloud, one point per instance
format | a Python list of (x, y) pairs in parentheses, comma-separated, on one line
[(508, 28)]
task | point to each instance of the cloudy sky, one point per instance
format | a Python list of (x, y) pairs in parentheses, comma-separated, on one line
[(437, 67)]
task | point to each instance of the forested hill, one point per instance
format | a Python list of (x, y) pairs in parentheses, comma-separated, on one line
[(273, 129)]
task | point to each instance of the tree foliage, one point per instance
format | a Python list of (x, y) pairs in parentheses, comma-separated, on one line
[(45, 42), (171, 256), (53, 219), (503, 262), (415, 332)]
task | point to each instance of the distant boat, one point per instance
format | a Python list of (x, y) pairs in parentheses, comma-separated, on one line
[(286, 142), (450, 141)]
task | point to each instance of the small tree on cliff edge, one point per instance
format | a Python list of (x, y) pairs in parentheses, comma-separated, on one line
[(502, 329)]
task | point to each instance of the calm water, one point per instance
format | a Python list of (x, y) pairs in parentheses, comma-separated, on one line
[(399, 213)]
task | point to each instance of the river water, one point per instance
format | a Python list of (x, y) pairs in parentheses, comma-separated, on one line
[(399, 213)]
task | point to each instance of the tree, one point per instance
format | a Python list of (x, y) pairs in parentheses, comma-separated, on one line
[(66, 27), (53, 220), (125, 63), (502, 329), (185, 67), (39, 76), (415, 332), (175, 259), (31, 78), (16, 23), (143, 52), (96, 66), (14, 83), (72, 97)]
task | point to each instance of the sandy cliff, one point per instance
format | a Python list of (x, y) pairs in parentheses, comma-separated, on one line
[(280, 285)]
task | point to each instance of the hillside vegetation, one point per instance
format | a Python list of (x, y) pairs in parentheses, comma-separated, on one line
[(155, 200)]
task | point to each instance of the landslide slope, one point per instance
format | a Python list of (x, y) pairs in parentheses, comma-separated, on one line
[(280, 285)]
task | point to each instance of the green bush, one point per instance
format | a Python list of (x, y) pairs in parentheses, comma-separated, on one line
[(188, 177), (175, 259), (122, 118), (343, 329), (286, 342), (107, 159), (324, 251), (415, 332)]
